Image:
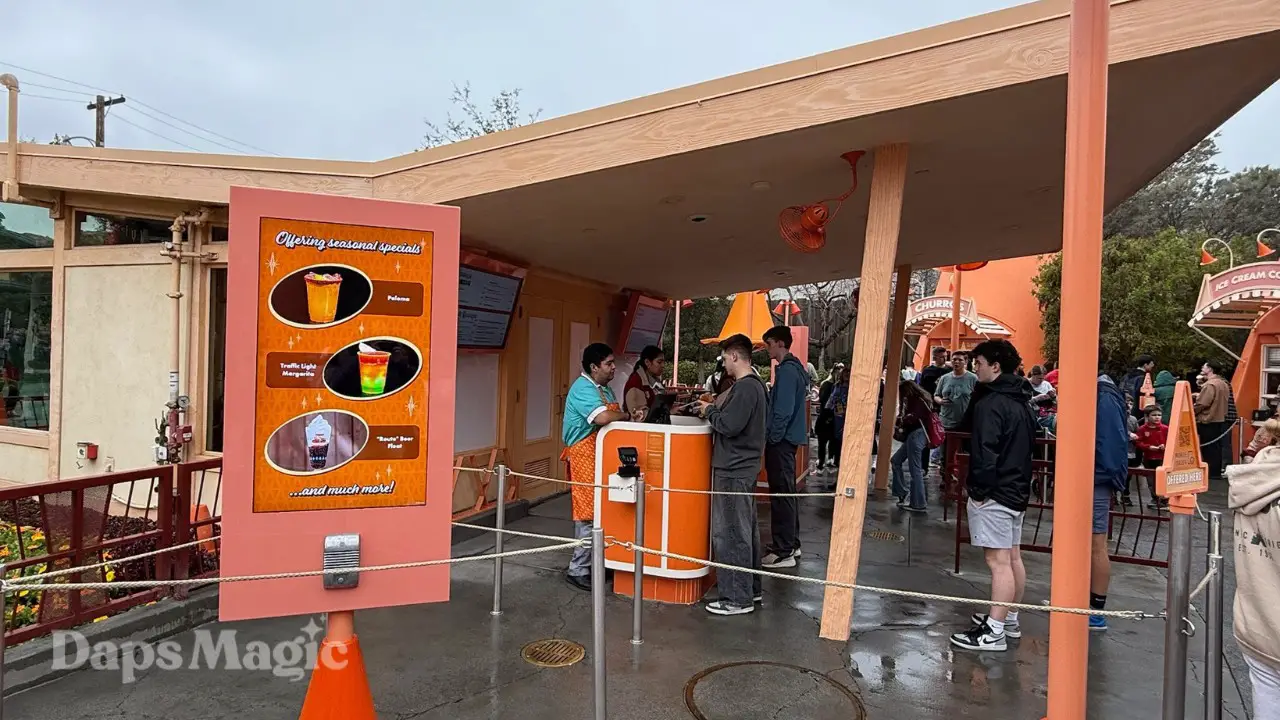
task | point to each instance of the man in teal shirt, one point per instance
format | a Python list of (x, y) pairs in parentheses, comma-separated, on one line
[(589, 405)]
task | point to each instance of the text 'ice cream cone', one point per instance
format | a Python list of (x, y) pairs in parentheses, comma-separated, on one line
[(322, 296), (373, 369)]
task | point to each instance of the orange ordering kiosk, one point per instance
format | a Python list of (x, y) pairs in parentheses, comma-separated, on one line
[(671, 457)]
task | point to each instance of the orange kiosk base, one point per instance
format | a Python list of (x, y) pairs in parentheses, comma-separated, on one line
[(676, 456)]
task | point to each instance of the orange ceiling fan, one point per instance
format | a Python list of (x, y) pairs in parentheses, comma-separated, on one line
[(804, 227)]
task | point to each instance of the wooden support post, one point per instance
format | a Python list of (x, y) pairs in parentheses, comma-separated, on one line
[(1082, 282), (897, 324), (955, 308), (884, 216)]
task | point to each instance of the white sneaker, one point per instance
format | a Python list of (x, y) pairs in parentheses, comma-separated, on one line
[(724, 607), (774, 560), (1011, 629), (980, 639)]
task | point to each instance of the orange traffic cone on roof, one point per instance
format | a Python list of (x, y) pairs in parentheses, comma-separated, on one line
[(339, 688)]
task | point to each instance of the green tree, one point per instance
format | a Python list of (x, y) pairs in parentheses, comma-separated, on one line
[(1149, 290), (504, 113), (1178, 198), (1246, 203), (703, 319)]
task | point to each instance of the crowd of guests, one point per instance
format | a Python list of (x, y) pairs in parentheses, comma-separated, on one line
[(986, 394)]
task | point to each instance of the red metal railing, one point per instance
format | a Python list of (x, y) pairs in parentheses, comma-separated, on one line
[(99, 519), (1134, 531), (197, 516)]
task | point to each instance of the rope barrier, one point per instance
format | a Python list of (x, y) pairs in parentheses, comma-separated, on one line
[(482, 471), (1230, 429), (652, 488), (118, 561), (1122, 614), (516, 533), (749, 494), (1204, 583), (9, 586), (526, 476)]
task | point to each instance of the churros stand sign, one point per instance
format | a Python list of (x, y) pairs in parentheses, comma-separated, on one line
[(340, 380)]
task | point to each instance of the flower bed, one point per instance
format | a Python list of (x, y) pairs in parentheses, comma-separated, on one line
[(23, 607), (21, 525)]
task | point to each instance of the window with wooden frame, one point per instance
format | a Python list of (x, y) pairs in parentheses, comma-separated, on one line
[(26, 316)]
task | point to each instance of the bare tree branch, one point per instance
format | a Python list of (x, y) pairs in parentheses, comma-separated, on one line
[(503, 113)]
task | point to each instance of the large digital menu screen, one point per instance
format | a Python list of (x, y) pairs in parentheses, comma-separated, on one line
[(646, 328), (486, 303), (343, 337)]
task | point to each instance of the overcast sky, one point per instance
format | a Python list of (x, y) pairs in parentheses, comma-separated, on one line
[(354, 80)]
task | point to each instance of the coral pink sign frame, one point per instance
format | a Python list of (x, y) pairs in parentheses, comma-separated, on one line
[(281, 542)]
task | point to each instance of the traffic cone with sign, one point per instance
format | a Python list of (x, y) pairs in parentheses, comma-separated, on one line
[(339, 688)]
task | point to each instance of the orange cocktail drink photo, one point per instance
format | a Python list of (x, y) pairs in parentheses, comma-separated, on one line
[(322, 296), (373, 369)]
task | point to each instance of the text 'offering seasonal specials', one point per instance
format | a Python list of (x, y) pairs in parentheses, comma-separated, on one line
[(344, 332)]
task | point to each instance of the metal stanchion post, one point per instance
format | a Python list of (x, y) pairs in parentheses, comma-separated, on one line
[(597, 620), (1213, 613), (909, 516), (499, 523), (637, 609), (1176, 608)]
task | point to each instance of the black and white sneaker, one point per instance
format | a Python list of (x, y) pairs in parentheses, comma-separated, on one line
[(724, 607), (1011, 629), (980, 639), (778, 560), (757, 598)]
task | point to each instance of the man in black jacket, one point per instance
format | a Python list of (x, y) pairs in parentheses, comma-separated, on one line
[(738, 420), (1003, 432)]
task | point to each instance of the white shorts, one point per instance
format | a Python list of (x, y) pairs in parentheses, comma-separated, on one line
[(992, 525)]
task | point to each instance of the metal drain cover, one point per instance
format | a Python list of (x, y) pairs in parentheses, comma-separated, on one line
[(731, 690), (553, 653), (885, 535)]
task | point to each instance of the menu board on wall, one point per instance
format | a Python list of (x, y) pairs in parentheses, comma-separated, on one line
[(343, 338), (642, 323), (647, 328), (486, 303)]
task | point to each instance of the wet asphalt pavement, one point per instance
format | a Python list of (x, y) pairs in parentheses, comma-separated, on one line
[(454, 661)]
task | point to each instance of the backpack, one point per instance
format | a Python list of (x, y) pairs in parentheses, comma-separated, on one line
[(934, 433), (1233, 414)]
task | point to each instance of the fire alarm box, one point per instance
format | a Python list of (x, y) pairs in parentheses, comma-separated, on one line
[(87, 451)]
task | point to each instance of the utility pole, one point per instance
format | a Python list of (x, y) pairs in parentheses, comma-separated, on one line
[(100, 106)]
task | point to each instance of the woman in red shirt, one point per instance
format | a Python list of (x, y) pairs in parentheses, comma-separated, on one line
[(644, 385)]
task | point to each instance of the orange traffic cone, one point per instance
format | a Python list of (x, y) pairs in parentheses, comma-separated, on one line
[(203, 532), (339, 688)]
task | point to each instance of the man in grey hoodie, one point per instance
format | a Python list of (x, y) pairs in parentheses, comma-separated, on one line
[(737, 419), (787, 431)]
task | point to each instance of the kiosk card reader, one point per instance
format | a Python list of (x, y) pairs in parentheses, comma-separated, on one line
[(622, 484)]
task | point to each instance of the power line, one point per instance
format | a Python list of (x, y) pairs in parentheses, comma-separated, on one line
[(179, 129), (50, 97), (162, 137), (80, 93), (188, 122), (136, 101)]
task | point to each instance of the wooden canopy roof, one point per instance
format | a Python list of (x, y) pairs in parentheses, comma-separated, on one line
[(696, 176)]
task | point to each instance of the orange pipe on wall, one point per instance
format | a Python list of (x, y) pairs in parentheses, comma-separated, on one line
[(1082, 281)]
